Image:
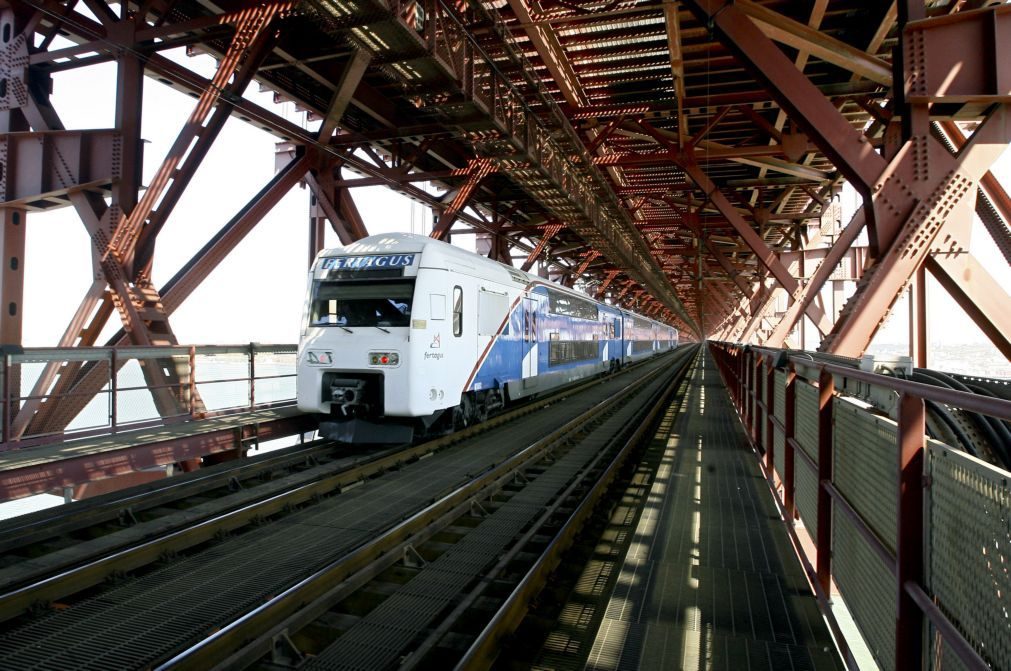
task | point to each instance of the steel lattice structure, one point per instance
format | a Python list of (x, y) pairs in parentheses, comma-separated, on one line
[(681, 157)]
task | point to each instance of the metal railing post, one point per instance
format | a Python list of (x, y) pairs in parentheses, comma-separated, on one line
[(756, 409), (770, 410), (252, 376), (789, 427), (192, 404), (909, 551), (748, 374), (6, 391), (826, 390), (113, 390)]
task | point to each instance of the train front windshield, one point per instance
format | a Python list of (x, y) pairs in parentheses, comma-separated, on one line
[(350, 304)]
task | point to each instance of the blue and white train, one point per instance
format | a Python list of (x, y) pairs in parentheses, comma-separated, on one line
[(401, 331)]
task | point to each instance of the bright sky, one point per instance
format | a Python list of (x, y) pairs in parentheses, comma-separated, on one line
[(256, 293), (948, 324)]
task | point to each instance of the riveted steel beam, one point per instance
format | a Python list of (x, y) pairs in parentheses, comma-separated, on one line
[(12, 274), (251, 44), (762, 252), (476, 171), (804, 103), (817, 43)]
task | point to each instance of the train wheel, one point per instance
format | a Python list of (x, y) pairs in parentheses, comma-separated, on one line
[(463, 414), (459, 418), (480, 409)]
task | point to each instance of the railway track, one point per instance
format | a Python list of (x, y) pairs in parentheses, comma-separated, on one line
[(89, 541), (194, 571)]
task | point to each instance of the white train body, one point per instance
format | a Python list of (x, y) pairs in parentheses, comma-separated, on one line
[(403, 327)]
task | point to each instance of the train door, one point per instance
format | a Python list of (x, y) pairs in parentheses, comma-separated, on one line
[(529, 337)]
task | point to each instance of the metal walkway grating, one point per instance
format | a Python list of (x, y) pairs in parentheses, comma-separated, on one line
[(385, 634), (711, 581)]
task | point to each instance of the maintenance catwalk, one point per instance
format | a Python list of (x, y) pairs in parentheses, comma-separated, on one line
[(710, 580)]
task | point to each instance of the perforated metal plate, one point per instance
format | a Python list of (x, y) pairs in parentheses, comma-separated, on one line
[(806, 495), (968, 508), (807, 419), (865, 466), (779, 411), (867, 586), (779, 389)]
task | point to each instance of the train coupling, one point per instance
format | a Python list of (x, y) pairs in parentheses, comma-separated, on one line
[(348, 393)]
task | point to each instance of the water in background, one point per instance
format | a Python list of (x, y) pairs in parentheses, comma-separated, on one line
[(221, 381)]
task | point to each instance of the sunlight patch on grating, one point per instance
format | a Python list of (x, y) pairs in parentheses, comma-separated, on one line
[(715, 583)]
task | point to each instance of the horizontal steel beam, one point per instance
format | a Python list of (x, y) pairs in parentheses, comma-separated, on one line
[(35, 476)]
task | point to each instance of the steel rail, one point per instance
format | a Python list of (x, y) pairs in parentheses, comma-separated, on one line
[(250, 636), (32, 528), (200, 526), (484, 649), (20, 531)]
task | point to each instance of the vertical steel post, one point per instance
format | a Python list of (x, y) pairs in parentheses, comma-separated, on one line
[(909, 551), (113, 390), (746, 389), (8, 406), (193, 381), (12, 273), (918, 318), (826, 390), (756, 409), (770, 410), (741, 382), (317, 223), (789, 428), (252, 376)]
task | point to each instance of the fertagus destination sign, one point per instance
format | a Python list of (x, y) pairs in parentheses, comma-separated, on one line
[(367, 262)]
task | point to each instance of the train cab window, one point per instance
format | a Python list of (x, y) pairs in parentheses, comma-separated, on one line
[(350, 304), (457, 311)]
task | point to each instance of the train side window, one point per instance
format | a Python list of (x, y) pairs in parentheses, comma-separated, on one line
[(457, 311)]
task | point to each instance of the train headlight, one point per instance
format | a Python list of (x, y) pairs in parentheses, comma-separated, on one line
[(384, 359), (319, 358)]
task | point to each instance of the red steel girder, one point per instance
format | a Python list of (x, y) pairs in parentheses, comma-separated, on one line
[(39, 477), (77, 389), (549, 232), (249, 47), (477, 170), (916, 172), (671, 157), (12, 274), (794, 92), (40, 168), (588, 258), (951, 203), (762, 252), (608, 278)]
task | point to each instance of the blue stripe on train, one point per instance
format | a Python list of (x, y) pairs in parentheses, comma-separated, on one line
[(504, 360)]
